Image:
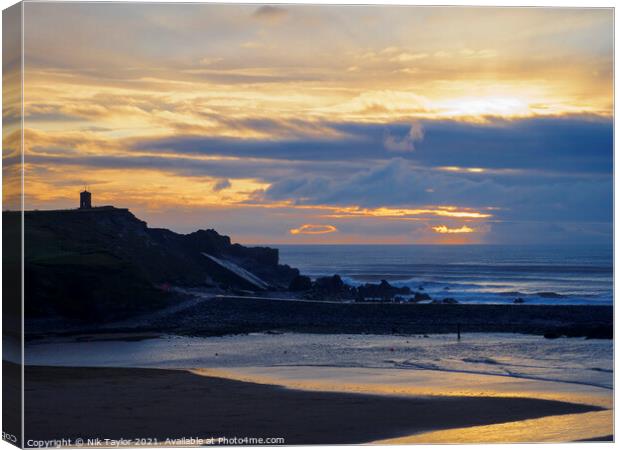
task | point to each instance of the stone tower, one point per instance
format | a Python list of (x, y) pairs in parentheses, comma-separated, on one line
[(85, 200)]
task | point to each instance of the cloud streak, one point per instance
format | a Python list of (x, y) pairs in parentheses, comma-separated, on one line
[(313, 229)]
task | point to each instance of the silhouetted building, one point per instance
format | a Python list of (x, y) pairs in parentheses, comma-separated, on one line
[(85, 200)]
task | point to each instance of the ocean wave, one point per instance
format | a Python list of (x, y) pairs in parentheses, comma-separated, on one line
[(500, 293), (502, 372)]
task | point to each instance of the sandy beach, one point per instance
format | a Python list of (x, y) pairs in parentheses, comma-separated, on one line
[(132, 403)]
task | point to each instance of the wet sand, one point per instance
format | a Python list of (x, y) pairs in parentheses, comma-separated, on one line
[(68, 402)]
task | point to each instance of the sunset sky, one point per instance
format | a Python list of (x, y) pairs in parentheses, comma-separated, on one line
[(326, 124)]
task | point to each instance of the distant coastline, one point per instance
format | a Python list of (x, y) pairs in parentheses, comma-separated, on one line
[(104, 270)]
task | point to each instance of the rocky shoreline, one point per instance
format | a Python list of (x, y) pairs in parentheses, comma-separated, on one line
[(105, 271), (237, 314), (220, 315)]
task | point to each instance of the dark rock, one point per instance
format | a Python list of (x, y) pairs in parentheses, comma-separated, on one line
[(330, 285), (418, 297), (300, 283), (383, 291), (102, 263), (330, 288), (518, 300)]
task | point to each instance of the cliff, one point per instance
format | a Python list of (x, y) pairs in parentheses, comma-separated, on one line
[(104, 262)]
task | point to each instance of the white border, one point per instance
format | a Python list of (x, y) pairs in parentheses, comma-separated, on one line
[(488, 3)]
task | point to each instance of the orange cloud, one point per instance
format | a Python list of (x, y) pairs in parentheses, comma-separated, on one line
[(444, 211), (313, 229), (444, 229), (343, 212)]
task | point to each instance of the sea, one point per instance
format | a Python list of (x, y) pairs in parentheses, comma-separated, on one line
[(497, 274)]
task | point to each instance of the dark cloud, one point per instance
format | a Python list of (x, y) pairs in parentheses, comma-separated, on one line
[(52, 117), (398, 184), (580, 144), (265, 170), (564, 144)]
